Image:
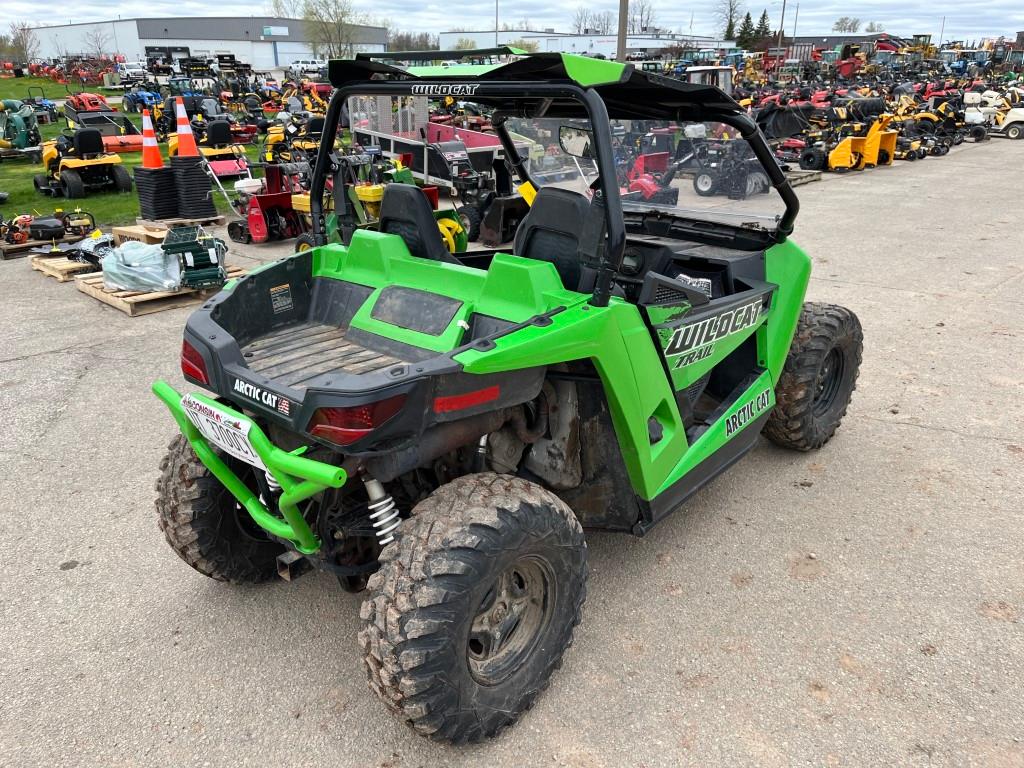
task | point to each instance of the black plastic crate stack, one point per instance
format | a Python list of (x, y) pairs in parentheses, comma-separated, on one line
[(158, 193), (194, 198), (201, 255)]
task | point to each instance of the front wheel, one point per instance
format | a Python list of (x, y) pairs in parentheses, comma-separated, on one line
[(205, 525), (71, 185), (1014, 132), (818, 379), (474, 606), (304, 242)]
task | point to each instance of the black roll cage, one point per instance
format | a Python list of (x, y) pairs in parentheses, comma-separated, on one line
[(596, 113)]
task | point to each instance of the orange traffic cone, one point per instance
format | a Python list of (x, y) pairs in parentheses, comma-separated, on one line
[(150, 151), (186, 141)]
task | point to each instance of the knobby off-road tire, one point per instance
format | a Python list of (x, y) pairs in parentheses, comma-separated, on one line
[(427, 653), (204, 524), (818, 379)]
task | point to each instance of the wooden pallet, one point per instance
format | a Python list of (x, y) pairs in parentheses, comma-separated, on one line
[(60, 268), (9, 251), (168, 223), (135, 303), (796, 178)]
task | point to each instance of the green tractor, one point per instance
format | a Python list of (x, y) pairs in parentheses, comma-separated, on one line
[(439, 429)]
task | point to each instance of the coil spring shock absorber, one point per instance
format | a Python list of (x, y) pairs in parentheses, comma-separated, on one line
[(383, 513)]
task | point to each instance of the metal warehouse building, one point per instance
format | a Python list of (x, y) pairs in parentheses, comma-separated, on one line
[(263, 41)]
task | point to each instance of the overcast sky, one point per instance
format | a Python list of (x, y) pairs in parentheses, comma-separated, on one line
[(964, 20)]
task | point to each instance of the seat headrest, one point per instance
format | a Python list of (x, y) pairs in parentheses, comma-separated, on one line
[(218, 133), (405, 211), (88, 141)]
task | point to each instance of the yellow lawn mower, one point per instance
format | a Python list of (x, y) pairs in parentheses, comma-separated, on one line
[(76, 163)]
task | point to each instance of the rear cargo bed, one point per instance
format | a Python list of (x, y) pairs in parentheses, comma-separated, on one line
[(295, 355)]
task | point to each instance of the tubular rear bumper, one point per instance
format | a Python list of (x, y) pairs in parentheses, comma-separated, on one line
[(300, 478)]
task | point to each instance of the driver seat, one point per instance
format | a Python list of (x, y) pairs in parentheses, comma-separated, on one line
[(552, 231), (406, 212)]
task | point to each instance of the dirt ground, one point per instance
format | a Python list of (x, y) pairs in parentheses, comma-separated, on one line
[(859, 606)]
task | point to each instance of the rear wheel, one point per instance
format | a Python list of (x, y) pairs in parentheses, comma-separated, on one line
[(979, 133), (1015, 131), (818, 379), (812, 159), (474, 606), (705, 184), (122, 179), (204, 523), (470, 217), (71, 185)]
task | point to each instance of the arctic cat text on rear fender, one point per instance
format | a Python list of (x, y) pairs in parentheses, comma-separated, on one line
[(439, 429)]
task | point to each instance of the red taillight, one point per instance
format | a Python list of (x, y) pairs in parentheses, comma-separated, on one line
[(343, 426), (450, 403), (192, 364)]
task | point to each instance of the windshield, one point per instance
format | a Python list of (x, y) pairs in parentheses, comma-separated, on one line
[(695, 170)]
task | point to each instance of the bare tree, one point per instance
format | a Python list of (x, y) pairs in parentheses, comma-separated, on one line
[(530, 46), (465, 44), (641, 16), (874, 27), (603, 23), (846, 24), (331, 27), (412, 41), (23, 43), (581, 19), (728, 14), (96, 41)]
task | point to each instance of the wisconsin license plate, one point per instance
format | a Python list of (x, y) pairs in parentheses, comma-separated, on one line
[(226, 431)]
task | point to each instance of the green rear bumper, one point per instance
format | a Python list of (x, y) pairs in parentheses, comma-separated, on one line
[(299, 478)]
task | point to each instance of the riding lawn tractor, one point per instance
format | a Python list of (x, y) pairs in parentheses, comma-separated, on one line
[(437, 430), (76, 163)]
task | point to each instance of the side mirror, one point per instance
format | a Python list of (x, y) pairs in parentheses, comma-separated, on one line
[(575, 141)]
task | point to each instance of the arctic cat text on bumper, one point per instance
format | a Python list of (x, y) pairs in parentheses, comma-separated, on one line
[(299, 478)]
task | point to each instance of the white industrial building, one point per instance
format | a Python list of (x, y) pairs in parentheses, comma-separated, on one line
[(591, 44), (264, 41)]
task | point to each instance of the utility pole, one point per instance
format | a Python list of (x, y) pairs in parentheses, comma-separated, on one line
[(796, 19), (495, 23), (782, 29), (942, 31), (620, 53)]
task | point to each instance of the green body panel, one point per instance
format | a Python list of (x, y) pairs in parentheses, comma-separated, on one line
[(789, 268), (513, 289), (615, 338), (587, 72)]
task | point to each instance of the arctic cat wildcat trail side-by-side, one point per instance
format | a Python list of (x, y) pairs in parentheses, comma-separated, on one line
[(439, 429)]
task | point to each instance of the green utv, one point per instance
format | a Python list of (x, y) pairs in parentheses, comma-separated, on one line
[(440, 430)]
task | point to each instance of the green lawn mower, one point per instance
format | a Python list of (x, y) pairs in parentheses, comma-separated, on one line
[(439, 429)]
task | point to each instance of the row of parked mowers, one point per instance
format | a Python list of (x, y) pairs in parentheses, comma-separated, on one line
[(849, 129)]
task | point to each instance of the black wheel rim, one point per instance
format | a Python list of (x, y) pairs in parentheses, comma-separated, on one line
[(511, 619), (830, 377)]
